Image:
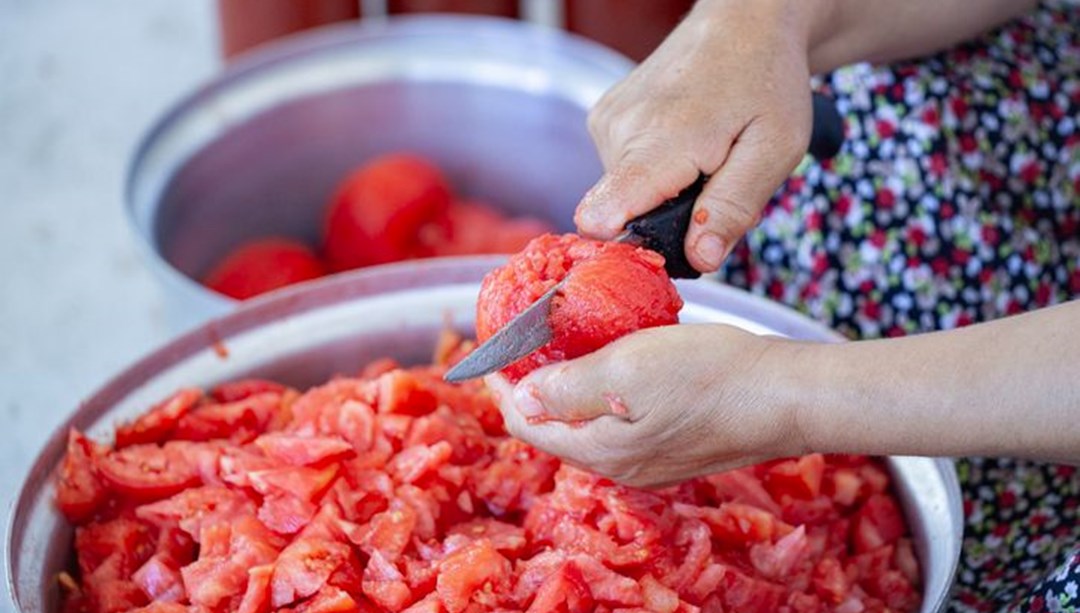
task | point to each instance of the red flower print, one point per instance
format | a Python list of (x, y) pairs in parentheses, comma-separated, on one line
[(878, 238), (886, 199), (885, 129), (1030, 171)]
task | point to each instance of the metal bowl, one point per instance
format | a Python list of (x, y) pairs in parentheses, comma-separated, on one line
[(304, 335), (500, 105)]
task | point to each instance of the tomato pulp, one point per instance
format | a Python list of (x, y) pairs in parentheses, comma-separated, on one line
[(396, 491), (611, 290)]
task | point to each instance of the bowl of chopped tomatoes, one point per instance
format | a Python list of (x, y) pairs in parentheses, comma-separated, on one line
[(366, 144), (302, 453)]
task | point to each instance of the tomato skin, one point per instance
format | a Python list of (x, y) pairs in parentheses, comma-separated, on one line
[(79, 490), (262, 265), (239, 421), (379, 211), (157, 425), (147, 472)]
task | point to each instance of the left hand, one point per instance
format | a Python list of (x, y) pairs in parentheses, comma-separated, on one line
[(658, 406)]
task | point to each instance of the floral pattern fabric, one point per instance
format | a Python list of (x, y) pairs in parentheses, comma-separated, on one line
[(955, 200)]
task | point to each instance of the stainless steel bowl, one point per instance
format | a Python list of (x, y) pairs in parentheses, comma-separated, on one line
[(500, 105), (303, 335)]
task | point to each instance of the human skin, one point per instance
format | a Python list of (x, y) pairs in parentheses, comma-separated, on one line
[(726, 95), (698, 399)]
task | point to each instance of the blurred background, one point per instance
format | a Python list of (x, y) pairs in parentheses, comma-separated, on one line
[(82, 83)]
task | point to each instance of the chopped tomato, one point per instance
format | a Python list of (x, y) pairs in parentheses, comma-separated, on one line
[(147, 472), (157, 425), (400, 492), (79, 490), (798, 478)]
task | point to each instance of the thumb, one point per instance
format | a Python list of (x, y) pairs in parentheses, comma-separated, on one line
[(647, 174), (568, 391)]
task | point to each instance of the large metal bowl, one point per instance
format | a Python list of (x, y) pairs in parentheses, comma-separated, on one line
[(304, 335), (500, 105)]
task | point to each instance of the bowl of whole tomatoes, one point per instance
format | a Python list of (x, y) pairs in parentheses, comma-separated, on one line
[(361, 145), (303, 453)]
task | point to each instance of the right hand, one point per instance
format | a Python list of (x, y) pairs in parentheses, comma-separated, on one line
[(728, 95)]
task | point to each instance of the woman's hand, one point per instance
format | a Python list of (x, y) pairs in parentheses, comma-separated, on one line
[(728, 95), (659, 406)]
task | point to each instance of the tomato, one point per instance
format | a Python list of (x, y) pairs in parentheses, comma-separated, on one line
[(380, 212), (397, 492), (401, 392), (798, 478), (563, 590), (240, 420), (329, 600), (302, 482), (262, 265), (147, 472), (156, 425), (474, 227), (160, 580), (878, 523), (256, 597), (384, 584), (285, 514), (79, 490), (231, 391), (477, 566), (304, 450), (124, 543), (304, 568)]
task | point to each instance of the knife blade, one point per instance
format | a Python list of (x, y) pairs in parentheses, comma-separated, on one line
[(662, 229)]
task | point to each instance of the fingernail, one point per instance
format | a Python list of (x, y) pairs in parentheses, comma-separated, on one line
[(527, 401), (710, 250)]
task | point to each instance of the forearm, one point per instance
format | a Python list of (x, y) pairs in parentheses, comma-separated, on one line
[(1007, 388), (848, 31)]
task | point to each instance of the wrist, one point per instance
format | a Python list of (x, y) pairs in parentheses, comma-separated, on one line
[(791, 391)]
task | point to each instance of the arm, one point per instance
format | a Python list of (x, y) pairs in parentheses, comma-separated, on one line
[(727, 94), (1008, 388), (705, 398), (849, 31)]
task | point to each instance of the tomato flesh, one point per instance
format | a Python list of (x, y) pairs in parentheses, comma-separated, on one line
[(398, 492)]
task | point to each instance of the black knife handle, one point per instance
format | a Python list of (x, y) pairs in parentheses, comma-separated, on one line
[(664, 228)]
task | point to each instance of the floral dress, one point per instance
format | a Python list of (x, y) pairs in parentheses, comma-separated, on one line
[(955, 200)]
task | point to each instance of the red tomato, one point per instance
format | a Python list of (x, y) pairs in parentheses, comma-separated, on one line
[(379, 212), (474, 227), (79, 491), (303, 450), (798, 478), (322, 504), (157, 425), (477, 566), (262, 265), (304, 568), (878, 523), (147, 472), (232, 391), (240, 420)]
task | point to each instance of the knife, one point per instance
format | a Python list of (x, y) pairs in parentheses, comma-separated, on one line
[(662, 229)]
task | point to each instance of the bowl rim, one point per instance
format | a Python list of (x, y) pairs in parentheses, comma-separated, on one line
[(270, 59)]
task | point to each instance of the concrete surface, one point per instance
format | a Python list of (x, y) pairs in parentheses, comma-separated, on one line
[(79, 83)]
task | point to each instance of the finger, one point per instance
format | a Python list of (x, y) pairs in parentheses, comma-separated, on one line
[(569, 391), (732, 200), (647, 173)]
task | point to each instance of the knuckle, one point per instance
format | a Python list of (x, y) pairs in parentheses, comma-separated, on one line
[(728, 213)]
